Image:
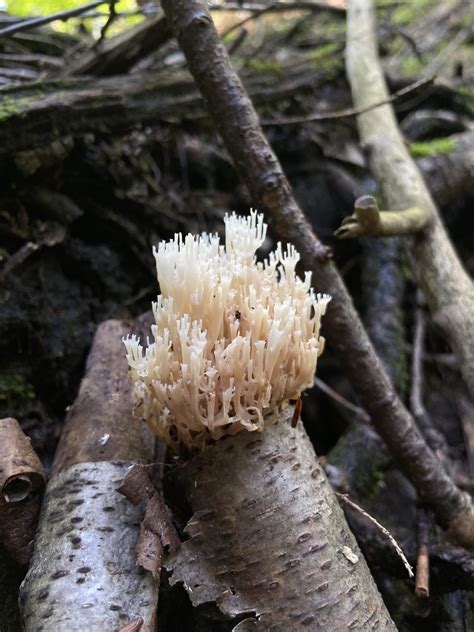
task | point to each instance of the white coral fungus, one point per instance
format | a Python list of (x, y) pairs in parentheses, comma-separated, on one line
[(234, 338)]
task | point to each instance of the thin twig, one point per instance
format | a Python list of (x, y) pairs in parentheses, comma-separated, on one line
[(253, 16), (238, 41), (17, 258), (108, 23), (298, 5), (416, 398), (31, 23), (339, 114), (435, 439), (337, 397), (422, 580), (345, 498)]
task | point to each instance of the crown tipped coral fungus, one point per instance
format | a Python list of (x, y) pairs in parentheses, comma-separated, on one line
[(234, 338)]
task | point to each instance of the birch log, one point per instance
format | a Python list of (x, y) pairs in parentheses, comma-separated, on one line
[(84, 573), (267, 538)]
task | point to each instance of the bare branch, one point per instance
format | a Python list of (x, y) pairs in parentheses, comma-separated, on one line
[(348, 112), (25, 25)]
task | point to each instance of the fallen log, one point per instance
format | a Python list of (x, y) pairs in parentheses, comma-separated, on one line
[(267, 538), (84, 567), (36, 114)]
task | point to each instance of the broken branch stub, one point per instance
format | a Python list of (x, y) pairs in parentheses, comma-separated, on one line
[(367, 220), (267, 537), (22, 482), (84, 566)]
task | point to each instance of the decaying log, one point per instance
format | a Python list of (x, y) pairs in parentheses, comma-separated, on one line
[(448, 290), (22, 482), (267, 537), (33, 115), (84, 571), (238, 124)]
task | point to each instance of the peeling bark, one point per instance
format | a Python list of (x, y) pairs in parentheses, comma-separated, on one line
[(22, 482), (84, 570), (259, 168), (268, 538)]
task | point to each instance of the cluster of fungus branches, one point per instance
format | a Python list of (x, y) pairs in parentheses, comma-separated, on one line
[(234, 338)]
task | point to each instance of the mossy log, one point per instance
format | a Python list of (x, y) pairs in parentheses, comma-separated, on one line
[(42, 112), (268, 539)]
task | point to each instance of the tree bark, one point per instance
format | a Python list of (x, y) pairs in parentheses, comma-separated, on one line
[(267, 537), (84, 570), (257, 165), (448, 290)]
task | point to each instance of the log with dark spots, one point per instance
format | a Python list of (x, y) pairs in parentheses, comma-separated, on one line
[(85, 555), (267, 537), (84, 564)]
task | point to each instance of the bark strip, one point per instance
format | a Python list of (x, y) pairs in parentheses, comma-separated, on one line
[(447, 287), (84, 570), (22, 482), (267, 537), (258, 167)]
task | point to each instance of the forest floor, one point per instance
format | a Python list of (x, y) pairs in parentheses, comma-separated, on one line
[(107, 149)]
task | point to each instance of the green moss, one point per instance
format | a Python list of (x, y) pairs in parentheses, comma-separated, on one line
[(326, 58), (409, 12), (433, 147), (12, 107), (263, 66), (15, 390), (411, 66)]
